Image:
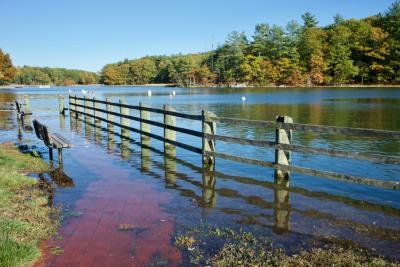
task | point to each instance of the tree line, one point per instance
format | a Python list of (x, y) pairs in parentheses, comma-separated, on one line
[(42, 76), (348, 51), (56, 76)]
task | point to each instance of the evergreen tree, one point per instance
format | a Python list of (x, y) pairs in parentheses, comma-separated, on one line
[(340, 65), (309, 20)]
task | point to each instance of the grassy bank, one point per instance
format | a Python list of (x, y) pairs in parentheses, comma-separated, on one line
[(24, 212), (211, 246)]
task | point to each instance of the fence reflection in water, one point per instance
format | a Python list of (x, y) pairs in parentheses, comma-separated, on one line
[(148, 166)]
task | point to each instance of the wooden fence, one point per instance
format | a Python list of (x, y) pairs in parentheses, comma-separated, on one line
[(61, 102), (90, 108)]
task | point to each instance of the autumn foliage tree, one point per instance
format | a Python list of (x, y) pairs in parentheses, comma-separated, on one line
[(344, 52), (7, 70), (57, 76)]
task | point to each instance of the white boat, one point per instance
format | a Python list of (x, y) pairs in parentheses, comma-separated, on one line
[(44, 86), (238, 85)]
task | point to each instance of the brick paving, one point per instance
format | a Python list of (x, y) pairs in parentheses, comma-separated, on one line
[(121, 224)]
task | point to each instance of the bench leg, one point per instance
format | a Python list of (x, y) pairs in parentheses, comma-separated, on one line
[(59, 155), (51, 153)]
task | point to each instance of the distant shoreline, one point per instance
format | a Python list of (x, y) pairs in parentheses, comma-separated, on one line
[(17, 87)]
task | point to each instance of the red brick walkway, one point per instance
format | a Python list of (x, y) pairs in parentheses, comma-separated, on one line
[(95, 238)]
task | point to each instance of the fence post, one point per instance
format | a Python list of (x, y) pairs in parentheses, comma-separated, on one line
[(282, 157), (27, 103), (110, 117), (77, 109), (168, 133), (62, 122), (144, 127), (124, 121), (96, 113), (86, 111), (208, 127), (61, 104), (72, 107)]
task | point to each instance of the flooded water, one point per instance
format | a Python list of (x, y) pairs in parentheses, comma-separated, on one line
[(122, 202)]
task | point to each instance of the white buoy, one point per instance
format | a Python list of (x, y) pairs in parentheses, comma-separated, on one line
[(243, 98), (84, 92), (173, 93), (149, 92)]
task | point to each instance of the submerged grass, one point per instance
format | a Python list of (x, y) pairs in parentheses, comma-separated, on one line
[(211, 246), (24, 212)]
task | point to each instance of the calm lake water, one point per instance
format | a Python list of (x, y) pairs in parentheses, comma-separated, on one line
[(237, 195)]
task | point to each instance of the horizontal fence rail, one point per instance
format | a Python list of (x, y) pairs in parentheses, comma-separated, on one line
[(154, 123), (155, 110), (61, 102), (282, 145), (311, 128), (160, 138), (299, 148)]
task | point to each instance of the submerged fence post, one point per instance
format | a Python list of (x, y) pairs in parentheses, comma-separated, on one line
[(96, 113), (124, 121), (86, 111), (27, 103), (283, 157), (169, 149), (61, 103), (208, 145), (110, 117), (144, 127), (62, 121), (71, 103), (77, 109), (168, 133)]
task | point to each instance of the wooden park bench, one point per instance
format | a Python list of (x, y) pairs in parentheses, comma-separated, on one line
[(51, 140), (20, 110)]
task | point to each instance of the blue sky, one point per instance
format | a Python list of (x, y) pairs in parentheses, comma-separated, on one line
[(87, 34)]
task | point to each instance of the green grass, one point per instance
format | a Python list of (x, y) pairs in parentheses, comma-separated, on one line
[(211, 246), (24, 212)]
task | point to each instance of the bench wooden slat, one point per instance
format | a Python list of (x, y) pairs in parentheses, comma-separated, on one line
[(61, 141), (56, 144)]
